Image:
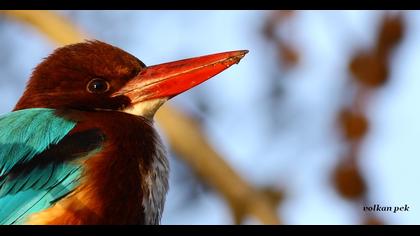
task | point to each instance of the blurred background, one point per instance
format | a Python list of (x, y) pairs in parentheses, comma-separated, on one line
[(316, 122)]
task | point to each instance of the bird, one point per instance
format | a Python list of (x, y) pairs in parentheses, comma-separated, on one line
[(80, 146)]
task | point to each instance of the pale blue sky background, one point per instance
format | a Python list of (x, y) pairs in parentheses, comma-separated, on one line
[(299, 151)]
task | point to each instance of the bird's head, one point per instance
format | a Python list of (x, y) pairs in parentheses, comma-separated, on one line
[(97, 76)]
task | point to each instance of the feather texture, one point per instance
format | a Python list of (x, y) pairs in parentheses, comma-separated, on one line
[(37, 165), (25, 133)]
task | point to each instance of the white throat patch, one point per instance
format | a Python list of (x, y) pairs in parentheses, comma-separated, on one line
[(147, 108)]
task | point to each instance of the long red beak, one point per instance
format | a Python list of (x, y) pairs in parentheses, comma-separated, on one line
[(170, 79)]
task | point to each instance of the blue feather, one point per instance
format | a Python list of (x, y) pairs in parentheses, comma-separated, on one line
[(25, 137), (29, 132)]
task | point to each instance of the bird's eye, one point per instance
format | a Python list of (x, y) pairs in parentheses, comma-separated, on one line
[(98, 85)]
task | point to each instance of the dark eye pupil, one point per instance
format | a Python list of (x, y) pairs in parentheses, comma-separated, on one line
[(98, 86)]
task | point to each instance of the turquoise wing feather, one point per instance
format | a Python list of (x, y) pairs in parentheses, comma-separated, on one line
[(35, 161)]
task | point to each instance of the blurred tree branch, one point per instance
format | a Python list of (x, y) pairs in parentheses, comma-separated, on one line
[(183, 133), (370, 70), (54, 26)]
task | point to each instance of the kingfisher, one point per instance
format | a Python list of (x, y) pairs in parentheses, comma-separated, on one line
[(80, 145)]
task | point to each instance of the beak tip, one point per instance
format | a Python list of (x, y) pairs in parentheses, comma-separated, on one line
[(239, 55), (242, 53)]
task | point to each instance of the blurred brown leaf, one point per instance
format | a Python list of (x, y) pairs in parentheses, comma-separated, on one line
[(391, 32), (348, 181), (369, 69), (274, 20), (373, 220), (281, 15), (289, 56), (354, 126)]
